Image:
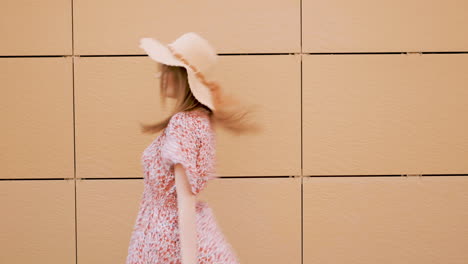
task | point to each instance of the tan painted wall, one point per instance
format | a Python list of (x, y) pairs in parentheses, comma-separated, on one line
[(70, 177)]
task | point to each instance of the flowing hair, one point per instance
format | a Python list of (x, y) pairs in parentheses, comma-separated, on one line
[(229, 112)]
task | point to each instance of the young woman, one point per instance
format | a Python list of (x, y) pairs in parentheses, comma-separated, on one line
[(172, 226)]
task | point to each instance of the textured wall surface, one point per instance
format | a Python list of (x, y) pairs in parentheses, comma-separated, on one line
[(363, 158)]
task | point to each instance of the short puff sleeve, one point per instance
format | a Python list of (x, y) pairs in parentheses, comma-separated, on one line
[(190, 141)]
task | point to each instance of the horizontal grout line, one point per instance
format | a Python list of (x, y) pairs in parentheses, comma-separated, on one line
[(248, 177), (219, 54), (377, 53), (384, 175), (225, 177), (246, 54), (33, 56), (36, 179)]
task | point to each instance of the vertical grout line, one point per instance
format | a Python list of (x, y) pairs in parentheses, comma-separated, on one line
[(300, 18), (74, 132), (302, 162), (302, 151), (302, 219), (302, 176)]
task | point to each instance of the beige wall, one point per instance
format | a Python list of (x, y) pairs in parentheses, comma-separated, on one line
[(347, 90)]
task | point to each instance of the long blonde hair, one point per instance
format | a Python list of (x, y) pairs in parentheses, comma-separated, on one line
[(229, 112)]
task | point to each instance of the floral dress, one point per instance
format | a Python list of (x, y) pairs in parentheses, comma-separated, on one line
[(188, 139)]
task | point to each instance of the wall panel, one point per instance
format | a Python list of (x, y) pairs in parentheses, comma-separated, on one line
[(31, 27), (272, 85), (38, 221), (113, 94), (115, 26), (384, 26), (106, 213), (259, 217), (385, 220), (36, 112), (385, 114)]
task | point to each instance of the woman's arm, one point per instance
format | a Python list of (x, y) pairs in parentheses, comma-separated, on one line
[(186, 201)]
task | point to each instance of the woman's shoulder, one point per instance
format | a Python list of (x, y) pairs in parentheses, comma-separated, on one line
[(196, 119)]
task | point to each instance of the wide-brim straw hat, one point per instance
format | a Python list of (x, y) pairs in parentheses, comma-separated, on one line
[(196, 55)]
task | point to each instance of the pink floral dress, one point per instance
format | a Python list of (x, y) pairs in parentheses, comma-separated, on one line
[(188, 139)]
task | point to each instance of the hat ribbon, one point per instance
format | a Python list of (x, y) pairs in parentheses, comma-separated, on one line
[(213, 86)]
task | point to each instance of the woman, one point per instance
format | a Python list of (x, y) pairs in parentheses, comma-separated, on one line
[(172, 226)]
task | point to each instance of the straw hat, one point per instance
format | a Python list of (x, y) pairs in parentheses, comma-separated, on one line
[(196, 55)]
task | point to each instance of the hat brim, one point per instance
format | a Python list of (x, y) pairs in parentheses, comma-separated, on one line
[(201, 92), (159, 52)]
